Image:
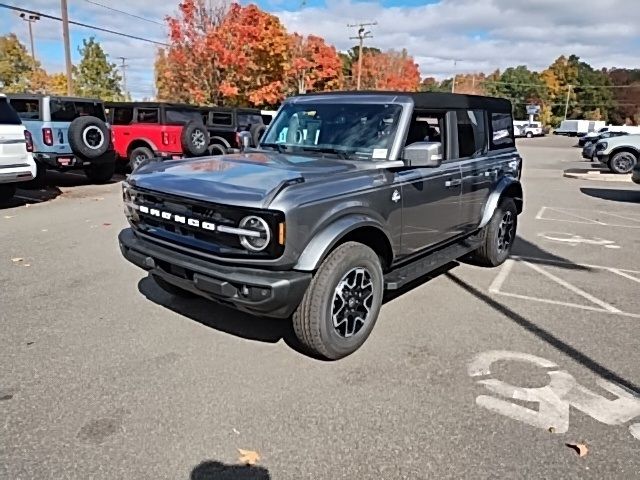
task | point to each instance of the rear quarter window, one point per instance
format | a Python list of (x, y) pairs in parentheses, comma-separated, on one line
[(501, 134), (222, 118), (8, 116), (27, 109), (68, 110)]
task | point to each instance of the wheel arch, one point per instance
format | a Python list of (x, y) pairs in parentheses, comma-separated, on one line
[(625, 148), (357, 228), (508, 187), (140, 142)]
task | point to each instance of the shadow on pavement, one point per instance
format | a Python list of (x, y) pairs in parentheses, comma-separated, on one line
[(616, 195), (214, 470), (534, 254), (56, 184), (546, 336), (222, 318)]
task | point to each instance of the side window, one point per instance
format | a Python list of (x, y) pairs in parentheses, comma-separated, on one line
[(221, 118), (122, 115), (147, 115), (426, 127), (62, 111), (501, 131), (472, 135), (28, 109)]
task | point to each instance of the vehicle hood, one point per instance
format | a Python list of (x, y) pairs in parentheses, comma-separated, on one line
[(249, 179)]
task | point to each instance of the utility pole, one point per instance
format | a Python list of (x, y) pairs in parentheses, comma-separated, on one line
[(67, 47), (31, 18), (455, 74), (123, 67), (362, 34), (566, 107)]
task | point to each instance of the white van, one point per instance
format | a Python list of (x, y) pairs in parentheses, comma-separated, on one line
[(578, 128), (16, 160)]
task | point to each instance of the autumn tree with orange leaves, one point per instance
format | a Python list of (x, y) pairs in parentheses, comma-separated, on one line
[(314, 65), (389, 70)]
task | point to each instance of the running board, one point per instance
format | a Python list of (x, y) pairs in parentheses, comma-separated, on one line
[(401, 276)]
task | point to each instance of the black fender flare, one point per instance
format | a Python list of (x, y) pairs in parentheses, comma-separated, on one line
[(509, 185)]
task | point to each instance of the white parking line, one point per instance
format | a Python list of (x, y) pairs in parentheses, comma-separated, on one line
[(573, 288), (575, 264), (585, 220), (624, 274), (496, 285)]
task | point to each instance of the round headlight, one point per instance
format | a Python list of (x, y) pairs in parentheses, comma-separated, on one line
[(260, 241)]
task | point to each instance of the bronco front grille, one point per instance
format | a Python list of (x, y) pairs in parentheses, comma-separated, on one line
[(194, 224)]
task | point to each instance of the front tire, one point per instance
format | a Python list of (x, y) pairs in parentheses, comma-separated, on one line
[(139, 156), (529, 135), (342, 302), (498, 235)]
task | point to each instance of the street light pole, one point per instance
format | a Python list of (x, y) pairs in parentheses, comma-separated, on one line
[(31, 18), (566, 107), (67, 48), (362, 34)]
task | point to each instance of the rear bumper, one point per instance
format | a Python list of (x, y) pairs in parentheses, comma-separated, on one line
[(260, 292), (68, 161), (21, 171)]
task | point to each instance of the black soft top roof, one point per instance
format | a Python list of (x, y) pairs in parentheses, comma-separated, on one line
[(439, 100), (38, 96), (150, 105)]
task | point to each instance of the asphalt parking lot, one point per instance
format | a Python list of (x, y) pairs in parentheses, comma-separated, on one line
[(474, 373)]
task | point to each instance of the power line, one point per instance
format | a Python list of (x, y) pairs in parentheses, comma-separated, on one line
[(79, 24), (362, 35), (566, 86), (125, 13)]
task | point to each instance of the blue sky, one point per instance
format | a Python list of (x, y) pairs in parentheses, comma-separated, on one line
[(481, 35)]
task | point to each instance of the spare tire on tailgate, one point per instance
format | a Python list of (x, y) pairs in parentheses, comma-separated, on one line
[(195, 139), (89, 137)]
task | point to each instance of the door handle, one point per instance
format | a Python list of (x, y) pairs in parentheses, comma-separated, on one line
[(452, 183)]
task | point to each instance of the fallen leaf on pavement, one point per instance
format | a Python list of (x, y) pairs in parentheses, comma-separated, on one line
[(97, 199), (580, 448), (27, 264), (106, 224), (552, 429), (17, 259), (9, 216), (248, 457)]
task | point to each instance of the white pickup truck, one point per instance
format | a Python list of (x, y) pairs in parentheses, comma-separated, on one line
[(16, 160), (524, 128)]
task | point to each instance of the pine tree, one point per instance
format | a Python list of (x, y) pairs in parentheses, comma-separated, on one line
[(95, 76)]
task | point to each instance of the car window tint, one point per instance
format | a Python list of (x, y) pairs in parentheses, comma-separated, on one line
[(221, 118), (182, 116), (8, 116), (246, 119), (472, 137), (62, 111), (27, 109), (501, 131), (92, 109), (147, 115), (122, 116)]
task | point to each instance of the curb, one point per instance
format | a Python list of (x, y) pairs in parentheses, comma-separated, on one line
[(596, 175)]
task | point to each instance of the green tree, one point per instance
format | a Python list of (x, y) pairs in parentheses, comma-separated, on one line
[(95, 76), (16, 65), (594, 97), (521, 86)]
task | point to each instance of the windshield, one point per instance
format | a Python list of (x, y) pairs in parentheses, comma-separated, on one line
[(351, 130), (175, 116)]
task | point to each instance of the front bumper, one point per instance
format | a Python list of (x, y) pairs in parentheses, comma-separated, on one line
[(260, 292), (601, 157), (69, 161)]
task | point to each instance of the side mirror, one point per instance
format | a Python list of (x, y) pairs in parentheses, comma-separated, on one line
[(423, 154), (245, 140)]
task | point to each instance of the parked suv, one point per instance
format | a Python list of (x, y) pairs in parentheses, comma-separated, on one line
[(145, 130), (226, 124), (16, 159), (67, 133), (349, 195), (620, 154)]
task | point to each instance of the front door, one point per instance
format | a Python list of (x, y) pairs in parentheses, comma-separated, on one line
[(431, 206)]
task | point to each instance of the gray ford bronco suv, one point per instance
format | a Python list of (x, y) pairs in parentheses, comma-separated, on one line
[(347, 196)]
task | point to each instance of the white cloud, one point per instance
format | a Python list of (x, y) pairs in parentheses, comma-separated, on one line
[(481, 34)]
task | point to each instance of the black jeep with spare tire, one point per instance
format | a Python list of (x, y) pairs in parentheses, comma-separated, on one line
[(346, 197), (225, 126), (67, 133)]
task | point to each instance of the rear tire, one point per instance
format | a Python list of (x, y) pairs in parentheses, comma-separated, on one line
[(139, 156), (342, 303), (498, 235), (622, 162), (217, 149), (100, 173), (529, 135), (172, 289), (7, 191)]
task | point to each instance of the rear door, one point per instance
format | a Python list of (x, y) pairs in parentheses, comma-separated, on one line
[(121, 118), (13, 149)]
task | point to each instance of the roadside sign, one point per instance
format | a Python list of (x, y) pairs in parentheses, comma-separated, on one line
[(533, 109)]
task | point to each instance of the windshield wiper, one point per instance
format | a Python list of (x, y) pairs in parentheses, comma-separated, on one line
[(336, 151), (280, 147)]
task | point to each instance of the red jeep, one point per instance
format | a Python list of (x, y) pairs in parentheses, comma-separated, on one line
[(144, 130)]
